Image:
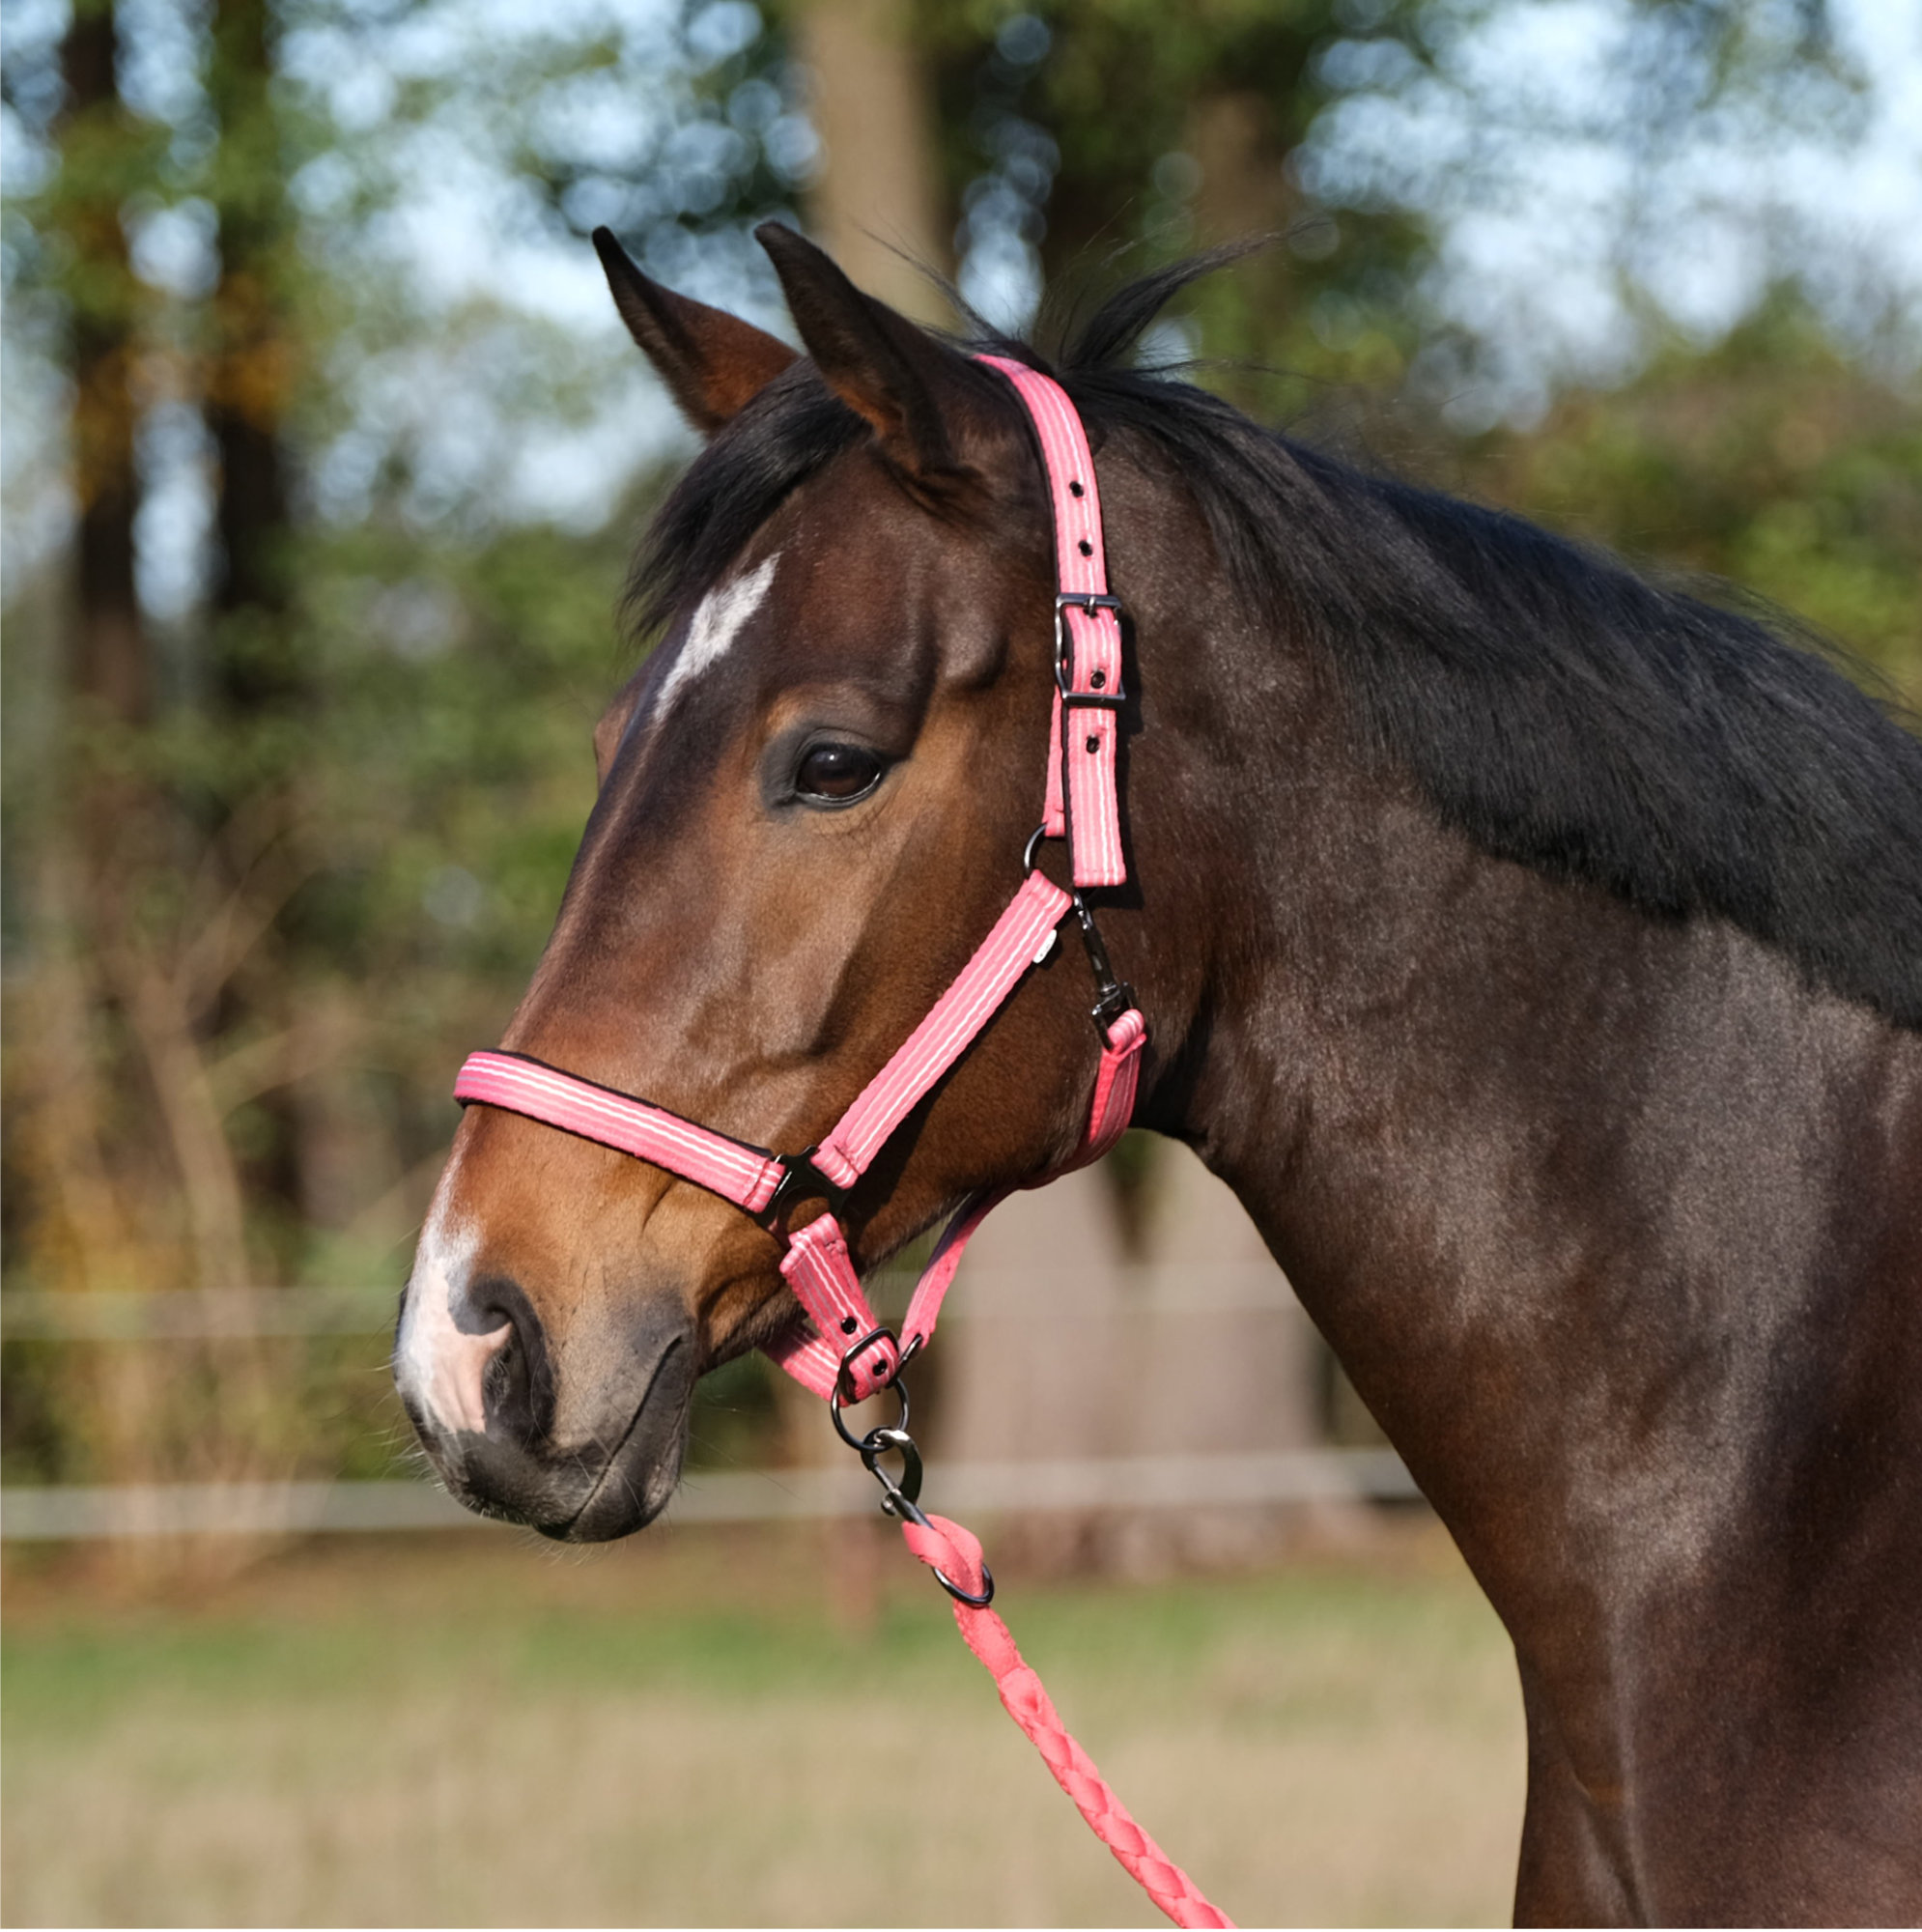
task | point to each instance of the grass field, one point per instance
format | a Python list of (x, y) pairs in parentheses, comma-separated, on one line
[(691, 1729)]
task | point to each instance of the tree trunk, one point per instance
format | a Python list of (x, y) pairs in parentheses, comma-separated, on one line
[(876, 206), (91, 1210), (1244, 187), (81, 1227), (110, 669), (1036, 1349), (1061, 1347), (250, 373), (1227, 1362), (257, 678)]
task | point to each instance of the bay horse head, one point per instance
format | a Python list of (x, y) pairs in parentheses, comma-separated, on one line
[(814, 799)]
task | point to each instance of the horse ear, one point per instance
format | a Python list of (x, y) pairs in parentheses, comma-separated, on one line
[(879, 364), (714, 362)]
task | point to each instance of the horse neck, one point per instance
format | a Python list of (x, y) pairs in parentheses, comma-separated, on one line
[(1561, 1185)]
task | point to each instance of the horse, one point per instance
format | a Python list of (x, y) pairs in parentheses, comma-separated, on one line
[(1535, 949)]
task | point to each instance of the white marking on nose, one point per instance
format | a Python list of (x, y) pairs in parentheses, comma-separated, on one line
[(717, 623), (437, 1364)]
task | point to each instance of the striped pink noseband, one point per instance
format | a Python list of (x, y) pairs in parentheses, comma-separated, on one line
[(850, 1354)]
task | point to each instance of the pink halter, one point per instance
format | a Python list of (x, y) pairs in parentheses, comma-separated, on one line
[(851, 1353)]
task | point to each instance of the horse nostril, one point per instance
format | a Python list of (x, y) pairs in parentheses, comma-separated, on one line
[(504, 1386), (517, 1385)]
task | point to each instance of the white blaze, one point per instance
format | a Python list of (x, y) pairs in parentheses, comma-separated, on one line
[(716, 625), (436, 1363)]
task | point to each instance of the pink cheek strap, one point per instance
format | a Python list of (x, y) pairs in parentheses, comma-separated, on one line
[(1083, 740)]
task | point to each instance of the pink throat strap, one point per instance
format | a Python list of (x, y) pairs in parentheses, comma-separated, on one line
[(1087, 639)]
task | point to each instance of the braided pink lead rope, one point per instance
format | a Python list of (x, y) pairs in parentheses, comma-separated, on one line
[(955, 1554)]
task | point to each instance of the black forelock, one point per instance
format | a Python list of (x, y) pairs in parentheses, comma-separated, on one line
[(1557, 708), (794, 428)]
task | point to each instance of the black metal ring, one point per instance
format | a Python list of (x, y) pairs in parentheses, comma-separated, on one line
[(897, 1503), (841, 1395), (967, 1597), (1032, 846), (799, 1179)]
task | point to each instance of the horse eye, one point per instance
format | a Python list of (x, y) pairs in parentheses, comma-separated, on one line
[(838, 772)]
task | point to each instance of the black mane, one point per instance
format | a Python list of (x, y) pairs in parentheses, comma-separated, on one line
[(1555, 707)]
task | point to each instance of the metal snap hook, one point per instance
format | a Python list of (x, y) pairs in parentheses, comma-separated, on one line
[(882, 1442)]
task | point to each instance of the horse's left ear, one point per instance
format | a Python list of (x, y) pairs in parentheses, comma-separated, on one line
[(879, 364), (715, 364)]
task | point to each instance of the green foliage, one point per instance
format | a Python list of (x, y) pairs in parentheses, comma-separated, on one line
[(1771, 463), (1171, 128), (334, 896)]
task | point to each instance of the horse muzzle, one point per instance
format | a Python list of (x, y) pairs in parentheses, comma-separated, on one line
[(579, 1439)]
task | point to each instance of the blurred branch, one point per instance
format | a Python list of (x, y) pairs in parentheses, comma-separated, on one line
[(209, 1178), (282, 1058), (244, 916), (403, 1207)]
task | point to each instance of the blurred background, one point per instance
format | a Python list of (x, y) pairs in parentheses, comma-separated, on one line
[(323, 454)]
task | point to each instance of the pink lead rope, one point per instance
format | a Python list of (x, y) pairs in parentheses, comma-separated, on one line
[(846, 1353), (955, 1555)]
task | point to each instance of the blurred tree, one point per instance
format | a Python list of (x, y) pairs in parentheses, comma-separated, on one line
[(104, 155), (874, 201), (252, 366), (1094, 128), (90, 1128), (61, 1196), (1771, 463), (338, 789), (264, 1002), (285, 837)]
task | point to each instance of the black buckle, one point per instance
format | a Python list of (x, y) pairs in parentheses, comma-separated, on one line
[(794, 1166), (844, 1395), (1090, 602)]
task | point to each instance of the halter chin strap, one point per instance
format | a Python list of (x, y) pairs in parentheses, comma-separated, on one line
[(851, 1353)]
